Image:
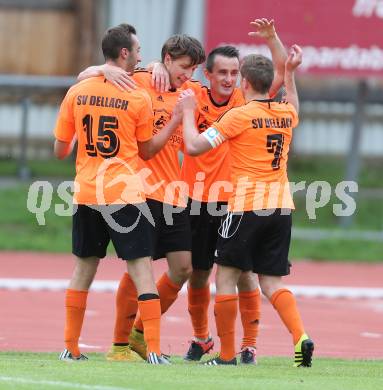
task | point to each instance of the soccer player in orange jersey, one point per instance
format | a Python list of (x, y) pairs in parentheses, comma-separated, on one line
[(112, 129), (208, 180), (213, 169), (255, 232), (181, 55)]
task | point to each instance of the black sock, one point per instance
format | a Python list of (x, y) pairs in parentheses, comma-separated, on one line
[(147, 297)]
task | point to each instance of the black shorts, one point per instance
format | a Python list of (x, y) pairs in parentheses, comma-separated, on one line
[(256, 243), (204, 232), (172, 229), (92, 231)]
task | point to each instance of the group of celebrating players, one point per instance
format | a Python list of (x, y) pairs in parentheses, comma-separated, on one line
[(229, 203)]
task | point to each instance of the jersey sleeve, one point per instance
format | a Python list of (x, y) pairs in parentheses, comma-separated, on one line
[(142, 78), (229, 125), (195, 86), (145, 119), (294, 115), (65, 124), (239, 100)]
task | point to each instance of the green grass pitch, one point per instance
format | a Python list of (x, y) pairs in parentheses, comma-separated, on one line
[(43, 371)]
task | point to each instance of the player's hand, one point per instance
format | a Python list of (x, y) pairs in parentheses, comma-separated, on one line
[(186, 92), (160, 77), (264, 28), (177, 113), (294, 58), (119, 77), (187, 100)]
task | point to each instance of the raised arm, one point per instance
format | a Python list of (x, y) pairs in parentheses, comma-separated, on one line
[(116, 75), (265, 29), (293, 61)]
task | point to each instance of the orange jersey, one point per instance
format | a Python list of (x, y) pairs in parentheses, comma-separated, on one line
[(215, 164), (259, 135), (164, 166), (108, 123)]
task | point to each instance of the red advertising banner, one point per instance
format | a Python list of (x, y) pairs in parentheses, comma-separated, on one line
[(343, 37)]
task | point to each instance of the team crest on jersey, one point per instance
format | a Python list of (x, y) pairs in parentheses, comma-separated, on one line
[(161, 118), (160, 98), (205, 108)]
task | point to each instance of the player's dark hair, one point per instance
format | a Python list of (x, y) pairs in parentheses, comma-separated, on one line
[(115, 39), (181, 45), (225, 51), (258, 70)]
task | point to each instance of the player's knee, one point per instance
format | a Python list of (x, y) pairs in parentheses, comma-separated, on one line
[(247, 282), (183, 273), (266, 291), (269, 285), (199, 278)]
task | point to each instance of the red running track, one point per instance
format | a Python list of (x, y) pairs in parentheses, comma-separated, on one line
[(346, 328)]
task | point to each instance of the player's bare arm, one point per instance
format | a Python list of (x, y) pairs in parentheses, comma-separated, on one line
[(195, 143), (116, 75), (294, 59), (265, 29), (63, 149), (149, 149)]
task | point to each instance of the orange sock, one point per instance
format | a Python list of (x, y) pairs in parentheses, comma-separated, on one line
[(285, 304), (250, 309), (126, 309), (198, 304), (150, 312), (168, 292), (225, 311), (75, 305)]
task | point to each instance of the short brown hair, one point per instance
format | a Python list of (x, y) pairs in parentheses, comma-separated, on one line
[(180, 45), (225, 51), (258, 70), (117, 38)]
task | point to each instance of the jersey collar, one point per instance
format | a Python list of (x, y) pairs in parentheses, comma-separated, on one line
[(217, 104), (262, 100)]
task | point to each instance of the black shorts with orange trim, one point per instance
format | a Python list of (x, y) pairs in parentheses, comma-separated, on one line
[(129, 230), (172, 229), (257, 241), (205, 219)]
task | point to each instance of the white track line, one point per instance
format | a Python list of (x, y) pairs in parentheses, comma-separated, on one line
[(69, 385), (112, 285)]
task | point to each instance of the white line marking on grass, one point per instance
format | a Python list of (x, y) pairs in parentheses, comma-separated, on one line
[(112, 285), (70, 385)]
